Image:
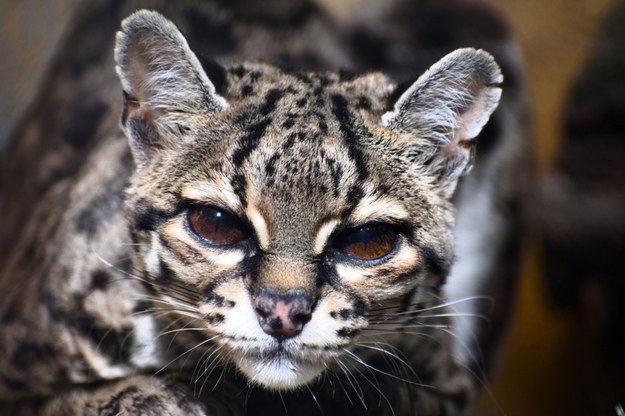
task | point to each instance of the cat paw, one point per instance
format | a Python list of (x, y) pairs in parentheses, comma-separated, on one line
[(139, 395)]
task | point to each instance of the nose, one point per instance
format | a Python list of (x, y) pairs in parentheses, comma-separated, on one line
[(283, 315)]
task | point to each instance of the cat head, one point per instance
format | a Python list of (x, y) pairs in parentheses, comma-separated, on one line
[(284, 214)]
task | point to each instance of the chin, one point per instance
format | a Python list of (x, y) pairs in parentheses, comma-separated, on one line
[(279, 371)]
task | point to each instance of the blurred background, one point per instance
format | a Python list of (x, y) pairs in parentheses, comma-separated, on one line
[(565, 351)]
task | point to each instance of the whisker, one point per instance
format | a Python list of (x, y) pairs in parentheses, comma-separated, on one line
[(420, 309), (351, 379), (386, 352), (315, 399), (354, 356), (206, 341)]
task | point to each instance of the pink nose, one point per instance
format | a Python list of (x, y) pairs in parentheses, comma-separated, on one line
[(282, 315)]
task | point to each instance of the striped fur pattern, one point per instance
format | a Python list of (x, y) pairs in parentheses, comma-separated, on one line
[(143, 304)]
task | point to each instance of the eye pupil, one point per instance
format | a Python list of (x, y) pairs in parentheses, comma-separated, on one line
[(368, 243), (216, 227)]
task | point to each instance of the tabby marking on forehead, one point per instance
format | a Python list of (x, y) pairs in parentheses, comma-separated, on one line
[(218, 192), (324, 233), (260, 226), (377, 208)]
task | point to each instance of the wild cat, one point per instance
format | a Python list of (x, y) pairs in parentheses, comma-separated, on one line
[(261, 236)]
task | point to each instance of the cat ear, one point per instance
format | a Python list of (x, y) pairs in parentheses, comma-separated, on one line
[(445, 109), (163, 82)]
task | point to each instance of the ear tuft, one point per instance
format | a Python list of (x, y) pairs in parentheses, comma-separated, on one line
[(448, 106)]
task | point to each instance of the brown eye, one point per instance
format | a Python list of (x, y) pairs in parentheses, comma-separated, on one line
[(369, 242), (216, 226)]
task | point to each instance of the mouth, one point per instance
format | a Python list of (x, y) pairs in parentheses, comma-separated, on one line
[(278, 368)]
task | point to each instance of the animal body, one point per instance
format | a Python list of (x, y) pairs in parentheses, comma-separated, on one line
[(271, 229)]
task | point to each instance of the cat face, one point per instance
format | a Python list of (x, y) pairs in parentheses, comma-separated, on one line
[(284, 217)]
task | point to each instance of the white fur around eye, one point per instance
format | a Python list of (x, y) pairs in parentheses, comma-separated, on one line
[(229, 259), (379, 209), (219, 193), (324, 233), (152, 262), (260, 226), (353, 274)]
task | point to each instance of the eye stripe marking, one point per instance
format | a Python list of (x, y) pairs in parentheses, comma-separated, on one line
[(323, 234), (260, 226)]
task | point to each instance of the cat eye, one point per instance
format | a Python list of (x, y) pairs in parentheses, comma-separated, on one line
[(369, 242), (216, 226)]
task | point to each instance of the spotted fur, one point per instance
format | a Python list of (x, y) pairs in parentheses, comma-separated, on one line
[(124, 288)]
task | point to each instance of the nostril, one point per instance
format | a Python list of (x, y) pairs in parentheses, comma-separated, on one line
[(301, 317), (261, 313)]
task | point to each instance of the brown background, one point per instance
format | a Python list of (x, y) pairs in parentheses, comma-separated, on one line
[(545, 369)]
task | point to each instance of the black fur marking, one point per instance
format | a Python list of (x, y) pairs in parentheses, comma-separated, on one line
[(351, 134), (250, 141), (337, 174), (255, 75), (100, 279), (165, 273), (238, 70), (354, 195), (271, 99), (189, 251), (53, 306), (216, 318), (359, 308), (149, 219), (306, 79), (288, 143), (406, 302), (116, 344), (323, 126), (213, 298), (434, 263), (246, 90), (142, 306), (239, 182), (363, 103), (347, 333), (289, 122)]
